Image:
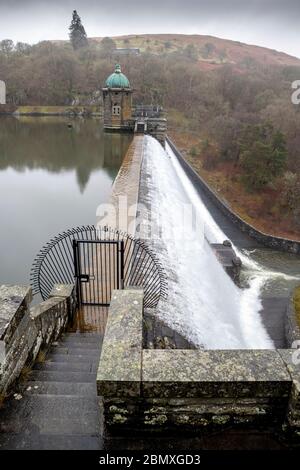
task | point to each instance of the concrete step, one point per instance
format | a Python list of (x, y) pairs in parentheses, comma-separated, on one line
[(82, 389), (78, 358), (76, 351), (58, 414), (62, 376), (78, 334), (70, 366), (78, 345), (82, 339), (50, 442)]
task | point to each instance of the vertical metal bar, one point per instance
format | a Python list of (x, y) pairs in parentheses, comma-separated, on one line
[(98, 277), (109, 271), (118, 264), (76, 269), (105, 272), (93, 274), (115, 247), (88, 246), (122, 264), (101, 276)]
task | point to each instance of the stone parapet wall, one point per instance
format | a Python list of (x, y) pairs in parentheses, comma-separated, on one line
[(153, 392), (282, 244), (125, 191), (25, 331)]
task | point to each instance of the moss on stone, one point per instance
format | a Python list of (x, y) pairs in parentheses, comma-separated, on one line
[(116, 409), (221, 419), (119, 419), (156, 420), (297, 305)]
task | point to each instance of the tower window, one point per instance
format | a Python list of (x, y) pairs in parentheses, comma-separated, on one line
[(116, 110)]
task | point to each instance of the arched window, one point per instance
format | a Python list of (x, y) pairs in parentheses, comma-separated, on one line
[(116, 110)]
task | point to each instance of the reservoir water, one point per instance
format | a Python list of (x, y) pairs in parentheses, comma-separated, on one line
[(52, 177)]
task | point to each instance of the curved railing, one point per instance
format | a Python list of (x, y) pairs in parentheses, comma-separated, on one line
[(55, 263)]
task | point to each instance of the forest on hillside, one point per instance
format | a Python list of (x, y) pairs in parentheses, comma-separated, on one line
[(241, 113)]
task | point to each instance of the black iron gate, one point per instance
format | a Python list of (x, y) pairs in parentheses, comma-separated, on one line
[(100, 259), (99, 269)]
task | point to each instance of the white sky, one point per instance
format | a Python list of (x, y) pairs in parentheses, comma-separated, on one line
[(270, 23)]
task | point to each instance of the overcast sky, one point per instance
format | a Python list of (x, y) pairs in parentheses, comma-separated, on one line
[(270, 23)]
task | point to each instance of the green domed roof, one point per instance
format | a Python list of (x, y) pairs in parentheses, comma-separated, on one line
[(117, 79)]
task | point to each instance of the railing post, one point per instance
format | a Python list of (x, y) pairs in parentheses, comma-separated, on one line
[(122, 264), (76, 271)]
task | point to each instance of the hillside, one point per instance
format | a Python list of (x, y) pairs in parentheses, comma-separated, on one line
[(229, 108), (210, 50)]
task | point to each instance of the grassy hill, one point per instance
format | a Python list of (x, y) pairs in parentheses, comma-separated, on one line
[(210, 51), (229, 108)]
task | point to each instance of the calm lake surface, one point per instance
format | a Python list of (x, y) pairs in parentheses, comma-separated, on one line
[(52, 178)]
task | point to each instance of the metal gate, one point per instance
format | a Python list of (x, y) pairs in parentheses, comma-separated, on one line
[(99, 269), (100, 259)]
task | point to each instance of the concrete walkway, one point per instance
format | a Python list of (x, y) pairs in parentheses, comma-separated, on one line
[(57, 406)]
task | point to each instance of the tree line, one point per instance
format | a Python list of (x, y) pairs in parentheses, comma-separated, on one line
[(243, 112)]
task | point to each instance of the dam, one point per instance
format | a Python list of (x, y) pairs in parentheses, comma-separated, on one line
[(213, 368)]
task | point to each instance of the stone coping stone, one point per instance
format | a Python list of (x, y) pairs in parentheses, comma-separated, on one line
[(198, 373), (12, 297), (45, 306), (62, 290), (119, 371)]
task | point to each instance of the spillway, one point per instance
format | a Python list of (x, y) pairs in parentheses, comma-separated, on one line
[(204, 304)]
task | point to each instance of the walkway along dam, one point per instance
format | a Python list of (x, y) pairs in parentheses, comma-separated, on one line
[(219, 369)]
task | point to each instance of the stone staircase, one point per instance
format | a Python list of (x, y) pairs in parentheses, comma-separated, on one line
[(57, 405)]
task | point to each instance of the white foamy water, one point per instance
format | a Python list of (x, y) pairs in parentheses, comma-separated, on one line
[(203, 304)]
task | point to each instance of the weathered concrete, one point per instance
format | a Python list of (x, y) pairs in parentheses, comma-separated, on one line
[(123, 201), (120, 364), (194, 391), (14, 302), (57, 406)]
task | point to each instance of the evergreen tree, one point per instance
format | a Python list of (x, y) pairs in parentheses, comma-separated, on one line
[(77, 34), (263, 156)]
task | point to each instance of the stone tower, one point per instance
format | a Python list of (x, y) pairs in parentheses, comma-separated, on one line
[(117, 101)]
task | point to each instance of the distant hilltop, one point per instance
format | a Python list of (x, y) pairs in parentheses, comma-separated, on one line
[(211, 51)]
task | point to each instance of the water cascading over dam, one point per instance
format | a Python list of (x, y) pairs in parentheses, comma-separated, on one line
[(204, 304)]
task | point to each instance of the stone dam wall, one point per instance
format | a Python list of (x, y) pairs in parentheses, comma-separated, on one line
[(151, 392), (25, 330), (291, 246)]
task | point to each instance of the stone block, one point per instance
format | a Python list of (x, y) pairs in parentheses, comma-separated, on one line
[(119, 372), (198, 373), (14, 301), (62, 290)]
